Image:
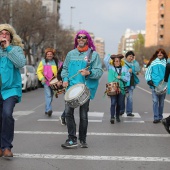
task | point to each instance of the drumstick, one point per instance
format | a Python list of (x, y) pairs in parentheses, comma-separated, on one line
[(77, 73)]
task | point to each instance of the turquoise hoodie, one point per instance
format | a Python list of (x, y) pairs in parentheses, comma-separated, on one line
[(11, 59), (76, 61)]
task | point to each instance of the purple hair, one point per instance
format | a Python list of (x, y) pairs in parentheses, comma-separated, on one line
[(90, 41)]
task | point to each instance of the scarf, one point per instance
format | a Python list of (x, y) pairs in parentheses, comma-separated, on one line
[(85, 48)]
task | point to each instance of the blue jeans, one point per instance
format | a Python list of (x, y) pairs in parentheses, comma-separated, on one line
[(158, 105), (48, 97), (129, 102), (7, 121), (116, 104), (83, 124)]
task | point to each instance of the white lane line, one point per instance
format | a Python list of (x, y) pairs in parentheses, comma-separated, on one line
[(95, 114), (56, 120), (94, 134), (94, 158), (150, 93), (133, 121), (48, 120)]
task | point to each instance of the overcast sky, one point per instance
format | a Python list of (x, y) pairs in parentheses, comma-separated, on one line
[(107, 19)]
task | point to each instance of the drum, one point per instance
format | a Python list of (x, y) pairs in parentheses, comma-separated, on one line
[(112, 88), (77, 95), (161, 88), (53, 83)]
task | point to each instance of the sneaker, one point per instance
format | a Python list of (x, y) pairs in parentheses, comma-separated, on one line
[(131, 115), (63, 120), (156, 121), (83, 144), (164, 122), (112, 120), (69, 144), (49, 113)]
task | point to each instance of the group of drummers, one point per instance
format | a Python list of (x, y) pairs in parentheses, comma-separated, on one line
[(79, 75)]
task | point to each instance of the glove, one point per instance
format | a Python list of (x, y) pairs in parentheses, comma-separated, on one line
[(150, 83)]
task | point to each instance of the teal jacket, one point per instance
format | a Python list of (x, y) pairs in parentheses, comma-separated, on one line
[(11, 59), (135, 68), (156, 71), (76, 61)]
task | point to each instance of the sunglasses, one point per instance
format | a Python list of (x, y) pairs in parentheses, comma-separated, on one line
[(83, 37)]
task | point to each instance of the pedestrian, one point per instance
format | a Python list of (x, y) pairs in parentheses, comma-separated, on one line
[(117, 72), (76, 61), (11, 59), (133, 69), (154, 75), (47, 69)]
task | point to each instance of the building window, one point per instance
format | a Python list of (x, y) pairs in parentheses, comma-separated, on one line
[(162, 6), (161, 37), (162, 15), (162, 26)]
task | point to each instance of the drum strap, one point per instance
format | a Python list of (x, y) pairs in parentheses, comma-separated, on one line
[(89, 56)]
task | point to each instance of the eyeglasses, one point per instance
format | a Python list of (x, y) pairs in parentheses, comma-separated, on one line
[(6, 34), (83, 37)]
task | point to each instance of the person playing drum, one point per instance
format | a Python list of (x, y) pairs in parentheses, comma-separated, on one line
[(117, 73), (89, 73), (47, 69)]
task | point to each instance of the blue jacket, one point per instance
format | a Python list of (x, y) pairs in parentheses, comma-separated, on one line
[(11, 59), (76, 61), (156, 71)]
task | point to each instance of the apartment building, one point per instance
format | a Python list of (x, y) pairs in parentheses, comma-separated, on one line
[(157, 23)]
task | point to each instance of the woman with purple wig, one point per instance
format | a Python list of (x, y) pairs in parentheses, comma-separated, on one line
[(77, 61)]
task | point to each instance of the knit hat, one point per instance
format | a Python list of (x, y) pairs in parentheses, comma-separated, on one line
[(89, 39), (50, 50), (16, 40)]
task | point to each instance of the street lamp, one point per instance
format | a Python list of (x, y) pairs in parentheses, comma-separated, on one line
[(72, 7), (80, 25)]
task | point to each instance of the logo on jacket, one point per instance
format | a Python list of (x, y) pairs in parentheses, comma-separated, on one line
[(86, 58)]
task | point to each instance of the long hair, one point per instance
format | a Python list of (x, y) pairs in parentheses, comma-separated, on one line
[(155, 55), (89, 40)]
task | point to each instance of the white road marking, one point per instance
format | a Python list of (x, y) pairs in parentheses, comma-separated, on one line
[(136, 115), (133, 121), (92, 157), (95, 114), (48, 120), (22, 113), (94, 134), (95, 121)]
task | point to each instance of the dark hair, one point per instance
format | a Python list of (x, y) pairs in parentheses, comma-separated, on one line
[(129, 53), (155, 56)]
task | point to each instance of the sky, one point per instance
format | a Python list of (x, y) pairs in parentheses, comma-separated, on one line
[(107, 19)]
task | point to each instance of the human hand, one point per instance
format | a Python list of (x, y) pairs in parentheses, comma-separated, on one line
[(150, 83), (65, 84), (4, 42), (59, 83), (84, 72)]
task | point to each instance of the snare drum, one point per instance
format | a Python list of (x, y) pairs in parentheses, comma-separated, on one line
[(112, 88), (77, 95), (53, 83)]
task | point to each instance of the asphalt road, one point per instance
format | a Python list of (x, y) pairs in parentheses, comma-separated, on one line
[(133, 144)]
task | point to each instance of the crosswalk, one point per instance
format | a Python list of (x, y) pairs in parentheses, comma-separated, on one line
[(93, 117)]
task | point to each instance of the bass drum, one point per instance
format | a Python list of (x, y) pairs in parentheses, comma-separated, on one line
[(77, 95)]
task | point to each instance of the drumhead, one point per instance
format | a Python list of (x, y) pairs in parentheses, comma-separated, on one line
[(55, 80), (74, 91)]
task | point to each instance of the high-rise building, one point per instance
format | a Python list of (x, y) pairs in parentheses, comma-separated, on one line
[(157, 23), (100, 46)]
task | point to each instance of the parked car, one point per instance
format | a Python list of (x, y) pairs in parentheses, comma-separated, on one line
[(33, 75), (26, 79)]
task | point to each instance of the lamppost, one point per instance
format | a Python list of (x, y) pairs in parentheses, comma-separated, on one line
[(72, 7), (80, 25)]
